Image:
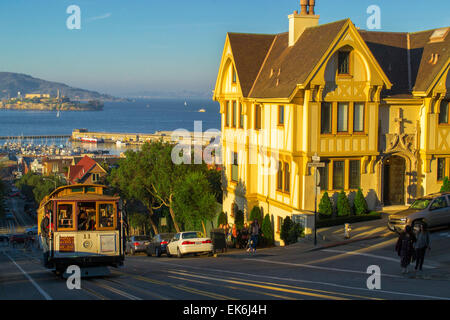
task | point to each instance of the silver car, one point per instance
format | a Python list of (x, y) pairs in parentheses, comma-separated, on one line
[(433, 210), (137, 244)]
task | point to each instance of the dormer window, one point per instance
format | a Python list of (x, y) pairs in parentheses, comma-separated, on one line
[(344, 63)]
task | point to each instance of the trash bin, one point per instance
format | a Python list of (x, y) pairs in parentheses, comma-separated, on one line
[(219, 240)]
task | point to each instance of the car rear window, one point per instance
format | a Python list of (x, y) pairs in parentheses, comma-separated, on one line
[(141, 238), (192, 235), (167, 236)]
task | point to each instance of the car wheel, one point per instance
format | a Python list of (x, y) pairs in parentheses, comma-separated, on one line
[(179, 255), (158, 252), (416, 225)]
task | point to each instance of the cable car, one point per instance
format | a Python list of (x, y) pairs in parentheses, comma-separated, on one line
[(86, 229)]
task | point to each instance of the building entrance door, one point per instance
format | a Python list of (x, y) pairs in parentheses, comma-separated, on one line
[(394, 181)]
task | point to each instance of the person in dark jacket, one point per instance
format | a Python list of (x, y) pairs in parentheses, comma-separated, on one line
[(421, 246), (45, 235), (405, 248), (254, 233)]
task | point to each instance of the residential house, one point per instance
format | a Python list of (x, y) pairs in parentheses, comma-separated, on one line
[(374, 106)]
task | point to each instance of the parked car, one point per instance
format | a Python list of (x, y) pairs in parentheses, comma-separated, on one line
[(434, 210), (19, 238), (189, 242), (158, 244), (137, 244), (32, 231), (14, 194)]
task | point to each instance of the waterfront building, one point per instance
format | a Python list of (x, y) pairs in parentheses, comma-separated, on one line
[(374, 106)]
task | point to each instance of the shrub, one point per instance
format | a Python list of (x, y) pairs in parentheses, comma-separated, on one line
[(325, 205), (267, 231), (256, 214), (223, 219), (446, 185), (343, 205), (360, 203), (290, 231), (239, 219)]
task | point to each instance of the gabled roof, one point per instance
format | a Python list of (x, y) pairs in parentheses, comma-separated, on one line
[(81, 169), (249, 52), (295, 63), (268, 68)]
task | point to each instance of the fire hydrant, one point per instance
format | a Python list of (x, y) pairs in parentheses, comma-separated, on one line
[(347, 230)]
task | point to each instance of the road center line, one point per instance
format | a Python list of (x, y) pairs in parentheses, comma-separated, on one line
[(41, 291)]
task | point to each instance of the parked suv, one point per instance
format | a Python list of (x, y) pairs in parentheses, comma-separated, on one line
[(434, 210)]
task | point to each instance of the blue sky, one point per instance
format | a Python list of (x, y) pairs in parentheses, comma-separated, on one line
[(138, 45)]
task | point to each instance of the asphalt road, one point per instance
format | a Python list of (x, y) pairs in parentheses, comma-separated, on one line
[(279, 273)]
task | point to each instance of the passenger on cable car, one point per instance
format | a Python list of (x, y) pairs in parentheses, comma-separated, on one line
[(82, 220)]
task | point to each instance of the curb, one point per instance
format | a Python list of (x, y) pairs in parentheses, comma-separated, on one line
[(343, 243)]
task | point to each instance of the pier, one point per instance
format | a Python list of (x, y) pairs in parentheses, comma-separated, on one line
[(63, 136)]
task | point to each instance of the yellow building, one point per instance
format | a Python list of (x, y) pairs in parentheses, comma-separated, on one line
[(373, 105)]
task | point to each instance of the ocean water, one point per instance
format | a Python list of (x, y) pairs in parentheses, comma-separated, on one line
[(140, 116)]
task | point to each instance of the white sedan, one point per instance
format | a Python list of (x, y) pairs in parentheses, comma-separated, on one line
[(189, 242)]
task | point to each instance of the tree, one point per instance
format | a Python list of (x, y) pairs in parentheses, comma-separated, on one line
[(343, 205), (239, 219), (194, 203), (285, 227), (215, 180), (222, 219), (360, 203), (446, 185), (267, 230), (256, 213), (36, 187), (129, 181), (325, 205)]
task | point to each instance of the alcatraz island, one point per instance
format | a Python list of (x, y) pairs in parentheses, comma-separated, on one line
[(45, 102)]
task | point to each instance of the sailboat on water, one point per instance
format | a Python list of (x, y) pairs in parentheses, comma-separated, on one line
[(185, 103)]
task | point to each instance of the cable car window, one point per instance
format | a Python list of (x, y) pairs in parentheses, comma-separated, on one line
[(86, 216), (65, 216), (106, 215)]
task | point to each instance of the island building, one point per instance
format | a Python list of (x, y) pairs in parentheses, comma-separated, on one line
[(374, 106), (37, 95)]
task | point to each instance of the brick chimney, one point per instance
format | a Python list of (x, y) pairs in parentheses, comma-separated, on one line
[(299, 22)]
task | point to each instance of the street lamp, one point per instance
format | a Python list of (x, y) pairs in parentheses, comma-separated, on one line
[(50, 180)]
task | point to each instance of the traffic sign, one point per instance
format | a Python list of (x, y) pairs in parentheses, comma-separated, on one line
[(316, 165), (315, 158)]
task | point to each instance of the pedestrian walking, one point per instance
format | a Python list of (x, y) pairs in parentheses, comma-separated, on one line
[(243, 237), (405, 248), (254, 234), (421, 246)]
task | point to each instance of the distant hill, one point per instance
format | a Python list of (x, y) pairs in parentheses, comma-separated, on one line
[(12, 83)]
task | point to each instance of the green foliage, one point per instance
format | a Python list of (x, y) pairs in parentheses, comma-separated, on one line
[(194, 202), (256, 213), (239, 219), (267, 231), (325, 205), (36, 187), (446, 185), (222, 219), (343, 205), (151, 177), (360, 203), (139, 221), (215, 180), (331, 222), (290, 231)]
